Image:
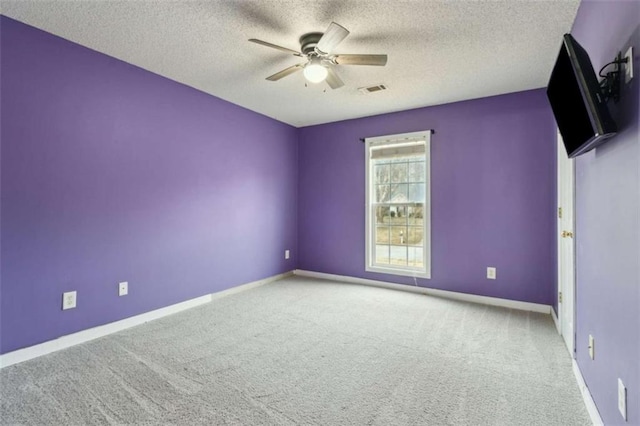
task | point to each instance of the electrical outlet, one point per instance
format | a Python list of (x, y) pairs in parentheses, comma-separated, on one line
[(491, 272), (69, 300), (592, 347), (628, 66), (123, 288), (622, 399), (286, 254)]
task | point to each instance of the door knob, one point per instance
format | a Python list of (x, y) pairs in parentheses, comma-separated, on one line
[(567, 234)]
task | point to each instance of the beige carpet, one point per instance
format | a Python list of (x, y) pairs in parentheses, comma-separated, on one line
[(303, 351)]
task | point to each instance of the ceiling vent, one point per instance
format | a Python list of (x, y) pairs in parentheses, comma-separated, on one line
[(373, 89)]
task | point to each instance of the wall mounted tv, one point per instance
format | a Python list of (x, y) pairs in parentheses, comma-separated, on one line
[(578, 104)]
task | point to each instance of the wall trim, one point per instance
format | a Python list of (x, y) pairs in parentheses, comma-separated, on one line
[(494, 301), (556, 321), (589, 403), (485, 300), (89, 334), (586, 396), (249, 286)]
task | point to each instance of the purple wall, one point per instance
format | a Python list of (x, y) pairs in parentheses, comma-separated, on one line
[(608, 224), (493, 195), (112, 173)]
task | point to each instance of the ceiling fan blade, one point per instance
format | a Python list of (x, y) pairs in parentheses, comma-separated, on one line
[(285, 72), (331, 38), (333, 80), (275, 46), (379, 60)]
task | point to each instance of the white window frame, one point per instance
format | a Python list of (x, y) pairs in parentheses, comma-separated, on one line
[(370, 265)]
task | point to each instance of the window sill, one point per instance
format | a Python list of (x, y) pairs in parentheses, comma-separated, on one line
[(400, 272)]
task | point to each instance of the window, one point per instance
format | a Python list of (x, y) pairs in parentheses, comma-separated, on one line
[(398, 220)]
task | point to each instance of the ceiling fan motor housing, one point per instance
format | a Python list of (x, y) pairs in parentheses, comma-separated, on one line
[(308, 43)]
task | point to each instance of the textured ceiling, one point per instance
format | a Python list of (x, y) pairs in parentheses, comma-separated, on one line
[(439, 51)]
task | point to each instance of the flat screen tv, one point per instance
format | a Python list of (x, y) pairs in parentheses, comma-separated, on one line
[(578, 105)]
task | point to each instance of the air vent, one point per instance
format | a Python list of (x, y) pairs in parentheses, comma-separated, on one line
[(373, 89)]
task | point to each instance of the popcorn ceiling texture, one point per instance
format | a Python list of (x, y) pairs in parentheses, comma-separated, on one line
[(305, 351), (439, 51)]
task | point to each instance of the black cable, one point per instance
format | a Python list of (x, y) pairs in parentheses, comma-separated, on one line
[(601, 69), (616, 61)]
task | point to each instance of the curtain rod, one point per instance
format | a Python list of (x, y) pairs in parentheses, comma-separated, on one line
[(433, 132)]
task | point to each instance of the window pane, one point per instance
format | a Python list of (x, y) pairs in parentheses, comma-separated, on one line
[(415, 215), (382, 215), (379, 161), (398, 255), (399, 235), (382, 235), (382, 173), (416, 235), (417, 192), (382, 254), (416, 171), (416, 257), (399, 172), (382, 193), (399, 193), (398, 187), (396, 216)]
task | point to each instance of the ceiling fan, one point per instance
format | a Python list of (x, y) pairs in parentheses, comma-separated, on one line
[(317, 48)]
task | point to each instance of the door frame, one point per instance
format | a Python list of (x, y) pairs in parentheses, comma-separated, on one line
[(565, 174)]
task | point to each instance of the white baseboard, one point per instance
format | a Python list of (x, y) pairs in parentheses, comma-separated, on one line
[(249, 286), (83, 336), (556, 321), (486, 300), (586, 396)]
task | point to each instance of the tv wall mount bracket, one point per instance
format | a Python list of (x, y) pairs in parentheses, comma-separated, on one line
[(610, 84)]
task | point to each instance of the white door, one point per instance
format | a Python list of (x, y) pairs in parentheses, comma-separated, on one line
[(566, 246)]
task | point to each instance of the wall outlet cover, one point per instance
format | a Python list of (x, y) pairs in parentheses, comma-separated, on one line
[(622, 399), (491, 273), (69, 300), (123, 288), (286, 254), (628, 66), (592, 347)]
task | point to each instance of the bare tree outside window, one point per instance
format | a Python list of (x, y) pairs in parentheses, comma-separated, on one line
[(398, 219), (399, 200)]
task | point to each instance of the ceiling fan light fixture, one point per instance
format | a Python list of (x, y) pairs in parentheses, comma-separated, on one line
[(320, 63), (315, 72)]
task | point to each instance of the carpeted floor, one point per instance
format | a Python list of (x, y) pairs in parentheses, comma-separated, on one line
[(304, 351)]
